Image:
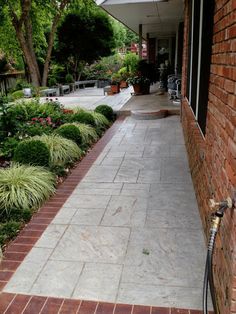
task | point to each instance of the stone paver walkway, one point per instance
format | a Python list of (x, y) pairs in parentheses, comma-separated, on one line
[(130, 232), (89, 98)]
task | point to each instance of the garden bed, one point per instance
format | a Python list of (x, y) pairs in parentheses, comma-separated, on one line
[(40, 144)]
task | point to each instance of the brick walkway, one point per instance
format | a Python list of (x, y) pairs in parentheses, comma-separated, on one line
[(148, 197)]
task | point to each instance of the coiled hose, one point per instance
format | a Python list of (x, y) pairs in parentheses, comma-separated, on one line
[(208, 275)]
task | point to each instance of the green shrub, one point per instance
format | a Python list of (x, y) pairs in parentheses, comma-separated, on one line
[(24, 187), (5, 124), (59, 171), (84, 117), (52, 81), (34, 129), (22, 83), (87, 132), (17, 94), (8, 231), (13, 117), (9, 146), (62, 151), (69, 78), (107, 111), (32, 152), (16, 214), (70, 131)]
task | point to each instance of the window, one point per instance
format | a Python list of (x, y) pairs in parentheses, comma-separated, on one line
[(200, 43), (189, 48), (206, 35)]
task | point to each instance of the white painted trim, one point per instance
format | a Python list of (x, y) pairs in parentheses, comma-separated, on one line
[(176, 45), (191, 60), (197, 124), (199, 57)]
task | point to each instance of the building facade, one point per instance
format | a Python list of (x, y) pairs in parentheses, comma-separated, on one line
[(209, 125)]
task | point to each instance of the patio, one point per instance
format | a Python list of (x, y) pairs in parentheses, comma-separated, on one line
[(124, 228)]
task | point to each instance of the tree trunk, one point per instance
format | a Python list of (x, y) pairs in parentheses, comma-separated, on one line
[(28, 58), (18, 24), (29, 40), (51, 40)]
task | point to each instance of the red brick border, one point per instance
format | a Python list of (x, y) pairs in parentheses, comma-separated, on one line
[(17, 250), (26, 304)]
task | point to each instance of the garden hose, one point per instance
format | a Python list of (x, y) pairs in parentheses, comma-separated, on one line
[(208, 275)]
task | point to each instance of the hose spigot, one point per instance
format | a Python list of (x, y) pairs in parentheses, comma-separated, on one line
[(228, 203), (213, 204)]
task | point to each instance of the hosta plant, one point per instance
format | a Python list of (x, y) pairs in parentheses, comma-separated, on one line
[(24, 187), (62, 151)]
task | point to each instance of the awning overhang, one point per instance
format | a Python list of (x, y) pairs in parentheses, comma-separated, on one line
[(158, 18)]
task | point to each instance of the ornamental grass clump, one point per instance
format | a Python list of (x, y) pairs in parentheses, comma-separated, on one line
[(32, 152), (88, 133), (100, 120), (24, 187), (62, 151)]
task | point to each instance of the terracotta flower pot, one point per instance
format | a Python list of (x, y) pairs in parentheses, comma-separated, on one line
[(123, 84), (115, 88), (137, 89)]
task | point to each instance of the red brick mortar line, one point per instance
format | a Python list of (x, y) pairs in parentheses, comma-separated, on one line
[(28, 304), (29, 235)]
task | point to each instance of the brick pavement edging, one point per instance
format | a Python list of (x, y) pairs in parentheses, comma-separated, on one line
[(21, 246), (27, 304)]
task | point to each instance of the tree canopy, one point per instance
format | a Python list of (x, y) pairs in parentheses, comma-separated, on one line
[(84, 38), (27, 20), (28, 34)]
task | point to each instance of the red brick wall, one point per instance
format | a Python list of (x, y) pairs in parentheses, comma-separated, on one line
[(213, 159)]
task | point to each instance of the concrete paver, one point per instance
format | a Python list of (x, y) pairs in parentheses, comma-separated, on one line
[(98, 281), (130, 232)]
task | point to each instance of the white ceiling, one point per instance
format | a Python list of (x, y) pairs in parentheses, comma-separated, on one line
[(158, 18)]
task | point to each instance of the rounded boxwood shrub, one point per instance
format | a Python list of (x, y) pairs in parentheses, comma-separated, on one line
[(107, 111), (32, 152), (71, 132), (84, 117)]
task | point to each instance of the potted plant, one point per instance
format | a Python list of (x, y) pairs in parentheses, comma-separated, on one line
[(141, 84), (115, 83), (124, 74)]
